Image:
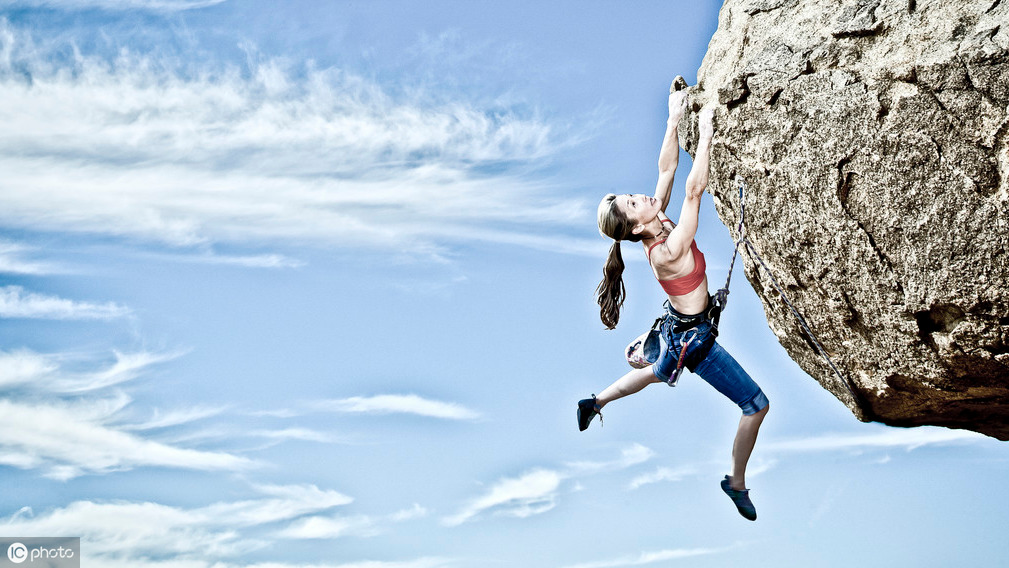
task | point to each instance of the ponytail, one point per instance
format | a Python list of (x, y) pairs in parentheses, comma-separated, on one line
[(610, 293)]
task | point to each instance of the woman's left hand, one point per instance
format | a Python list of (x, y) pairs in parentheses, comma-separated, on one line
[(677, 100)]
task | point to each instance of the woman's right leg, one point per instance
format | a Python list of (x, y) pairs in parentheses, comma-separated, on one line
[(630, 383), (742, 446)]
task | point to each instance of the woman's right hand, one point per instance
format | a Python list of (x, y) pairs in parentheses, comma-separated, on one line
[(705, 126)]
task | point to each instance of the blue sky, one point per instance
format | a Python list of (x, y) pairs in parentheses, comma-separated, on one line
[(310, 284)]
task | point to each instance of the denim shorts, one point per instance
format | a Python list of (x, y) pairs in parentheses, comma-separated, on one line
[(718, 368)]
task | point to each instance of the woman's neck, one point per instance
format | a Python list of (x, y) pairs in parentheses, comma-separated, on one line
[(655, 229)]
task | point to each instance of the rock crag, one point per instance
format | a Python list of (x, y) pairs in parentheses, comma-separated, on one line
[(873, 137)]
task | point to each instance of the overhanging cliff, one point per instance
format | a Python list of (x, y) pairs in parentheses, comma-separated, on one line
[(874, 141)]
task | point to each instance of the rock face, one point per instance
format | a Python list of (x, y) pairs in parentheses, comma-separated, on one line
[(874, 142)]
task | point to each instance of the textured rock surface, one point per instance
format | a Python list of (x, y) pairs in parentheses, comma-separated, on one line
[(872, 135)]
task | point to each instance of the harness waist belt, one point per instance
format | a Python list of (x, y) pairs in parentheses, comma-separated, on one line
[(684, 322)]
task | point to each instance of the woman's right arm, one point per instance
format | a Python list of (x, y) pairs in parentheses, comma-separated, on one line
[(697, 181)]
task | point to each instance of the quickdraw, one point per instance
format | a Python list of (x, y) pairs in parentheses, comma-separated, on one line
[(683, 356)]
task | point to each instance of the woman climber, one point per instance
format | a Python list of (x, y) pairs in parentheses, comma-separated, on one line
[(687, 329)]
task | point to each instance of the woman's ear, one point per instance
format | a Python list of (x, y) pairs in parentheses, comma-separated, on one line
[(637, 229)]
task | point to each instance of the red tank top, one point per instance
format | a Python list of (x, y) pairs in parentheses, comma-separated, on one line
[(684, 284)]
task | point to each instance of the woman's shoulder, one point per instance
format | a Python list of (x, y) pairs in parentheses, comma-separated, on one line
[(667, 254)]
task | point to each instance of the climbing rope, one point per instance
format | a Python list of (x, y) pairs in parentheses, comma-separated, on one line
[(721, 297)]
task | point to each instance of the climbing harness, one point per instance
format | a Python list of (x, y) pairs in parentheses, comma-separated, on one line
[(721, 297)]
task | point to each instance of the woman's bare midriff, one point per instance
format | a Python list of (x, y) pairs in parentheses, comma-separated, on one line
[(693, 302)]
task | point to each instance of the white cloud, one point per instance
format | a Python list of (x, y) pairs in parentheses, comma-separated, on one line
[(11, 261), (284, 502), (250, 261), (65, 437), (29, 370), (630, 456), (398, 404), (302, 434), (881, 438), (127, 367), (170, 418), (425, 562), (154, 535), (329, 527), (760, 466), (645, 558), (136, 148), (23, 367), (529, 494), (325, 527), (155, 5), (536, 491), (69, 440), (15, 302), (135, 530), (661, 474), (414, 512), (908, 439)]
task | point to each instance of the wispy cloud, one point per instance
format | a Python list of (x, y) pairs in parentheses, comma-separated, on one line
[(770, 452), (424, 562), (52, 420), (219, 535), (126, 367), (15, 302), (629, 456), (26, 369), (68, 440), (12, 261), (329, 526), (662, 474), (155, 5), (250, 261), (137, 147), (397, 404), (170, 418), (646, 558), (146, 529), (317, 527), (537, 491), (888, 438), (529, 494), (302, 434)]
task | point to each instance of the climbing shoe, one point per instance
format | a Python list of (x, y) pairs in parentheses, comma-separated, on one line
[(587, 409), (741, 499)]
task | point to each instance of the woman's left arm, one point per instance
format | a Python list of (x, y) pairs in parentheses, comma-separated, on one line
[(697, 180), (669, 154)]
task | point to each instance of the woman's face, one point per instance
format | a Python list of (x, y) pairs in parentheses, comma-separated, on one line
[(640, 209)]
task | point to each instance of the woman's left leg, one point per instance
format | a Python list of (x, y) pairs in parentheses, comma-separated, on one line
[(630, 383)]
